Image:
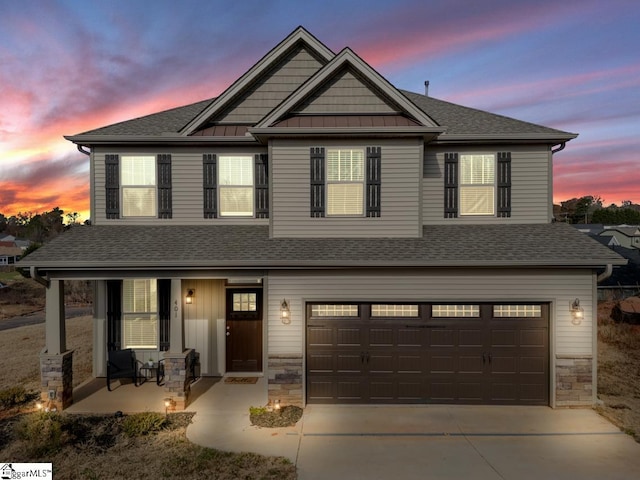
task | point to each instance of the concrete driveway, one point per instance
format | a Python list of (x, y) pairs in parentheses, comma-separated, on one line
[(420, 442)]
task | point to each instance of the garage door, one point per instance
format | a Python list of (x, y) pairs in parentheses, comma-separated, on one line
[(428, 353)]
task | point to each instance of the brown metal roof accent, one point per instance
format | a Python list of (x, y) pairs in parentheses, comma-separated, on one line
[(222, 131), (346, 121)]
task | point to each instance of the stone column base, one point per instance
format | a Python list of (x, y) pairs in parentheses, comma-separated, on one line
[(56, 387), (285, 379), (574, 381), (177, 381)]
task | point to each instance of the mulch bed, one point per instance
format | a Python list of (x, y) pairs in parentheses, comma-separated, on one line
[(287, 417)]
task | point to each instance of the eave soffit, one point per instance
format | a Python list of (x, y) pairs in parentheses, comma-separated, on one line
[(347, 59), (298, 36)]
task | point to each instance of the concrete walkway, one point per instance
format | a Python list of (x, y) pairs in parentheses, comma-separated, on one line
[(421, 442)]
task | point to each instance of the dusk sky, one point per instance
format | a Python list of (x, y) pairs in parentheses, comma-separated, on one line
[(71, 66)]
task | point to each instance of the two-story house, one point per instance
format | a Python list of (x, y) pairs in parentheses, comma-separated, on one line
[(352, 242)]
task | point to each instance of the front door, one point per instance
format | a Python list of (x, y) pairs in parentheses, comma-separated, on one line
[(244, 330)]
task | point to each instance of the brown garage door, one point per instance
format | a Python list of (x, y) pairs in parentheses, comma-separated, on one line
[(428, 353)]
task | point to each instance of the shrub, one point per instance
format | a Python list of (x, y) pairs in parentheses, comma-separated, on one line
[(42, 433), (140, 424), (14, 396)]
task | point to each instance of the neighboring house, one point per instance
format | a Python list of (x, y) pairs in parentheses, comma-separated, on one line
[(352, 242), (623, 235), (9, 252)]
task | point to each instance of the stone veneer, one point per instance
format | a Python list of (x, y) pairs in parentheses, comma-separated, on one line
[(285, 379), (177, 383), (56, 373), (574, 381)]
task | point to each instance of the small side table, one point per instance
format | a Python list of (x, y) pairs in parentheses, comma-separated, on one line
[(148, 371)]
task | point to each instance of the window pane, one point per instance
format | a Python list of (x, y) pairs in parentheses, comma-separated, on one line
[(477, 170), (236, 201), (139, 296), (140, 331), (334, 310), (394, 310), (345, 165), (138, 170), (517, 311), (455, 311), (139, 202), (477, 200), (244, 302), (345, 199), (235, 171)]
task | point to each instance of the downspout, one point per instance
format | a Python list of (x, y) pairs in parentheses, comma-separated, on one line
[(38, 278), (556, 150), (81, 150), (606, 274)]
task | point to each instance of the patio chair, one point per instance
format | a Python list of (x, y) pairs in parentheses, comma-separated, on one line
[(122, 364)]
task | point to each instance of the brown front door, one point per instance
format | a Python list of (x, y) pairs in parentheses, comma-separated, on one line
[(244, 330)]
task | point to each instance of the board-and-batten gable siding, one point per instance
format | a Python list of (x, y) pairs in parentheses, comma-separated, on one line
[(187, 186), (401, 168), (291, 72), (530, 188), (345, 94), (558, 287)]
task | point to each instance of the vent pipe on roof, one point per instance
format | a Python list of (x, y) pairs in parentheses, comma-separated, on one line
[(426, 88)]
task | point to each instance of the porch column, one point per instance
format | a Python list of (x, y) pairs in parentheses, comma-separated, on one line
[(100, 328), (176, 329), (56, 366)]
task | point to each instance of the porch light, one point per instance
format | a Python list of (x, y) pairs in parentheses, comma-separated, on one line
[(285, 312), (190, 294), (577, 312)]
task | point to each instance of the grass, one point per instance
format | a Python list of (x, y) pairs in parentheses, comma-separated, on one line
[(10, 276)]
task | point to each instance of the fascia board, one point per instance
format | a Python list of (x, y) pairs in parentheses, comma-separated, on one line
[(300, 34), (511, 137), (154, 139), (346, 56)]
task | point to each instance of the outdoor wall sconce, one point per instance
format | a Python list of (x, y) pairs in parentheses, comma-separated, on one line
[(577, 312), (190, 294), (285, 312)]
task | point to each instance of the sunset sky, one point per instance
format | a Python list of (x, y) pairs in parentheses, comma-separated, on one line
[(71, 66)]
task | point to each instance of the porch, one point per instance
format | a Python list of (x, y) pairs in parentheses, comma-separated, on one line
[(208, 394)]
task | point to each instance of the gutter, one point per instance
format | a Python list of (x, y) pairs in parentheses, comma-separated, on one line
[(36, 276), (560, 148), (606, 274), (82, 150)]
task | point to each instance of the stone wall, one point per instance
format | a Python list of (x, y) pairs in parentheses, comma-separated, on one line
[(56, 373), (285, 379), (177, 381), (574, 381)]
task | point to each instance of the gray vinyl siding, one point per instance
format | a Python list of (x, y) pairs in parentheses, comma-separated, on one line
[(287, 75), (187, 189), (559, 288), (290, 192), (345, 94), (530, 185)]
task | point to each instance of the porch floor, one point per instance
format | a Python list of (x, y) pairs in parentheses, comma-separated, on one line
[(208, 394)]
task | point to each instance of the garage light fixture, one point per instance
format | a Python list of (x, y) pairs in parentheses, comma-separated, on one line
[(577, 312), (285, 312)]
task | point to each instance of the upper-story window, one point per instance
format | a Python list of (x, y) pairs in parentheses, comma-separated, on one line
[(477, 184), (345, 182), (138, 180), (235, 185)]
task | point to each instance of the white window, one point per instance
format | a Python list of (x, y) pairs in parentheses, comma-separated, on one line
[(334, 310), (140, 314), (138, 180), (244, 302), (394, 310), (235, 185), (477, 184), (345, 182), (455, 310), (517, 311)]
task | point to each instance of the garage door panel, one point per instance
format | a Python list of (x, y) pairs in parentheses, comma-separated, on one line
[(504, 338), (471, 337), (351, 389), (382, 363), (350, 337), (442, 364), (410, 337), (504, 364), (533, 365), (533, 337), (318, 362), (382, 337), (471, 364), (349, 363), (442, 338), (320, 336), (411, 363)]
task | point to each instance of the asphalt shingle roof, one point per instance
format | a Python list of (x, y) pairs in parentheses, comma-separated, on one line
[(229, 246)]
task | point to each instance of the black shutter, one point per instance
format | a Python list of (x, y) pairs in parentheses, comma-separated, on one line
[(112, 185), (504, 184), (164, 312), (165, 205), (374, 165), (317, 182), (114, 315), (262, 185), (450, 185), (210, 185)]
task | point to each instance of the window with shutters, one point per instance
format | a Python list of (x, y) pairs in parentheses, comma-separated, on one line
[(236, 186), (345, 182), (140, 313), (477, 184), (138, 183)]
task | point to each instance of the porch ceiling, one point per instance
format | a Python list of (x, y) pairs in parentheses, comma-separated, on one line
[(111, 247)]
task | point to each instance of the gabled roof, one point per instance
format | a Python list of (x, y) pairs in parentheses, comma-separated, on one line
[(297, 36), (144, 247)]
